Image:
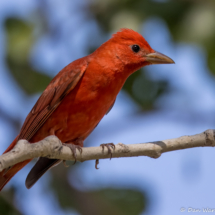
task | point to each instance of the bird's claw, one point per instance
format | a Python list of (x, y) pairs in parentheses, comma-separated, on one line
[(109, 146), (73, 148), (64, 163), (96, 164)]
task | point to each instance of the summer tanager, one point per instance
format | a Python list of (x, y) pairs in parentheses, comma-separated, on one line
[(80, 95)]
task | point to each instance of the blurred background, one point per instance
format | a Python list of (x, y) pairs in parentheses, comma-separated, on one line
[(39, 37)]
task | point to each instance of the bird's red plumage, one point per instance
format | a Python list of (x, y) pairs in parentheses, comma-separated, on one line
[(81, 108)]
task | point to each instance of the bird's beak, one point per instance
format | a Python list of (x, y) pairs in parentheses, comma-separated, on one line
[(158, 58)]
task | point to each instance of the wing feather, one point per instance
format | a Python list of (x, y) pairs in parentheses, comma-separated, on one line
[(58, 88)]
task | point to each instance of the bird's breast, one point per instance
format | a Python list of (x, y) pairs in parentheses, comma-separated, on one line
[(82, 109)]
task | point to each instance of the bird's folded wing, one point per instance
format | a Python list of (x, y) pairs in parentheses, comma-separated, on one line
[(59, 87)]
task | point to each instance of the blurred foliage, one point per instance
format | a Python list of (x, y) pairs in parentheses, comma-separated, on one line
[(19, 44), (6, 203), (143, 90), (116, 201), (171, 11)]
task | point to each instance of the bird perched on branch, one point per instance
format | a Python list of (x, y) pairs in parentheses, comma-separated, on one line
[(80, 95)]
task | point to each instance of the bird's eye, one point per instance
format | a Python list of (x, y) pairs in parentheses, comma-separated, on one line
[(135, 48)]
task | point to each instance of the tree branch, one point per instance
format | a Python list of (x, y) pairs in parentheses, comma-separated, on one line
[(52, 147)]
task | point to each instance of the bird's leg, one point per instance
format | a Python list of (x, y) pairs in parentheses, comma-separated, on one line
[(109, 146), (75, 144)]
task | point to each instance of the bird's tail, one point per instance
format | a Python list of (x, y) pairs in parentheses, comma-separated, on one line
[(7, 174)]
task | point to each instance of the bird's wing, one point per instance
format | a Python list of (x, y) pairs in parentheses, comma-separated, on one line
[(58, 88)]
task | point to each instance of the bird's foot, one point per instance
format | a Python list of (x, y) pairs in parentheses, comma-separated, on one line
[(109, 146), (64, 163), (96, 164), (73, 148)]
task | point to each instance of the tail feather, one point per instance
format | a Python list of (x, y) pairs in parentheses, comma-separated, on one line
[(42, 165), (5, 176)]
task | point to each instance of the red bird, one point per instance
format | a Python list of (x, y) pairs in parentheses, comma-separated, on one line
[(80, 95)]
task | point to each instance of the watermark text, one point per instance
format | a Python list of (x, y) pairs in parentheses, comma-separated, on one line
[(196, 210)]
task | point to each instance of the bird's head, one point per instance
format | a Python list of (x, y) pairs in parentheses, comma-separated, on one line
[(132, 50)]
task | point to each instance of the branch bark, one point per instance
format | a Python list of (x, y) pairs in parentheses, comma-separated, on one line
[(52, 147)]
